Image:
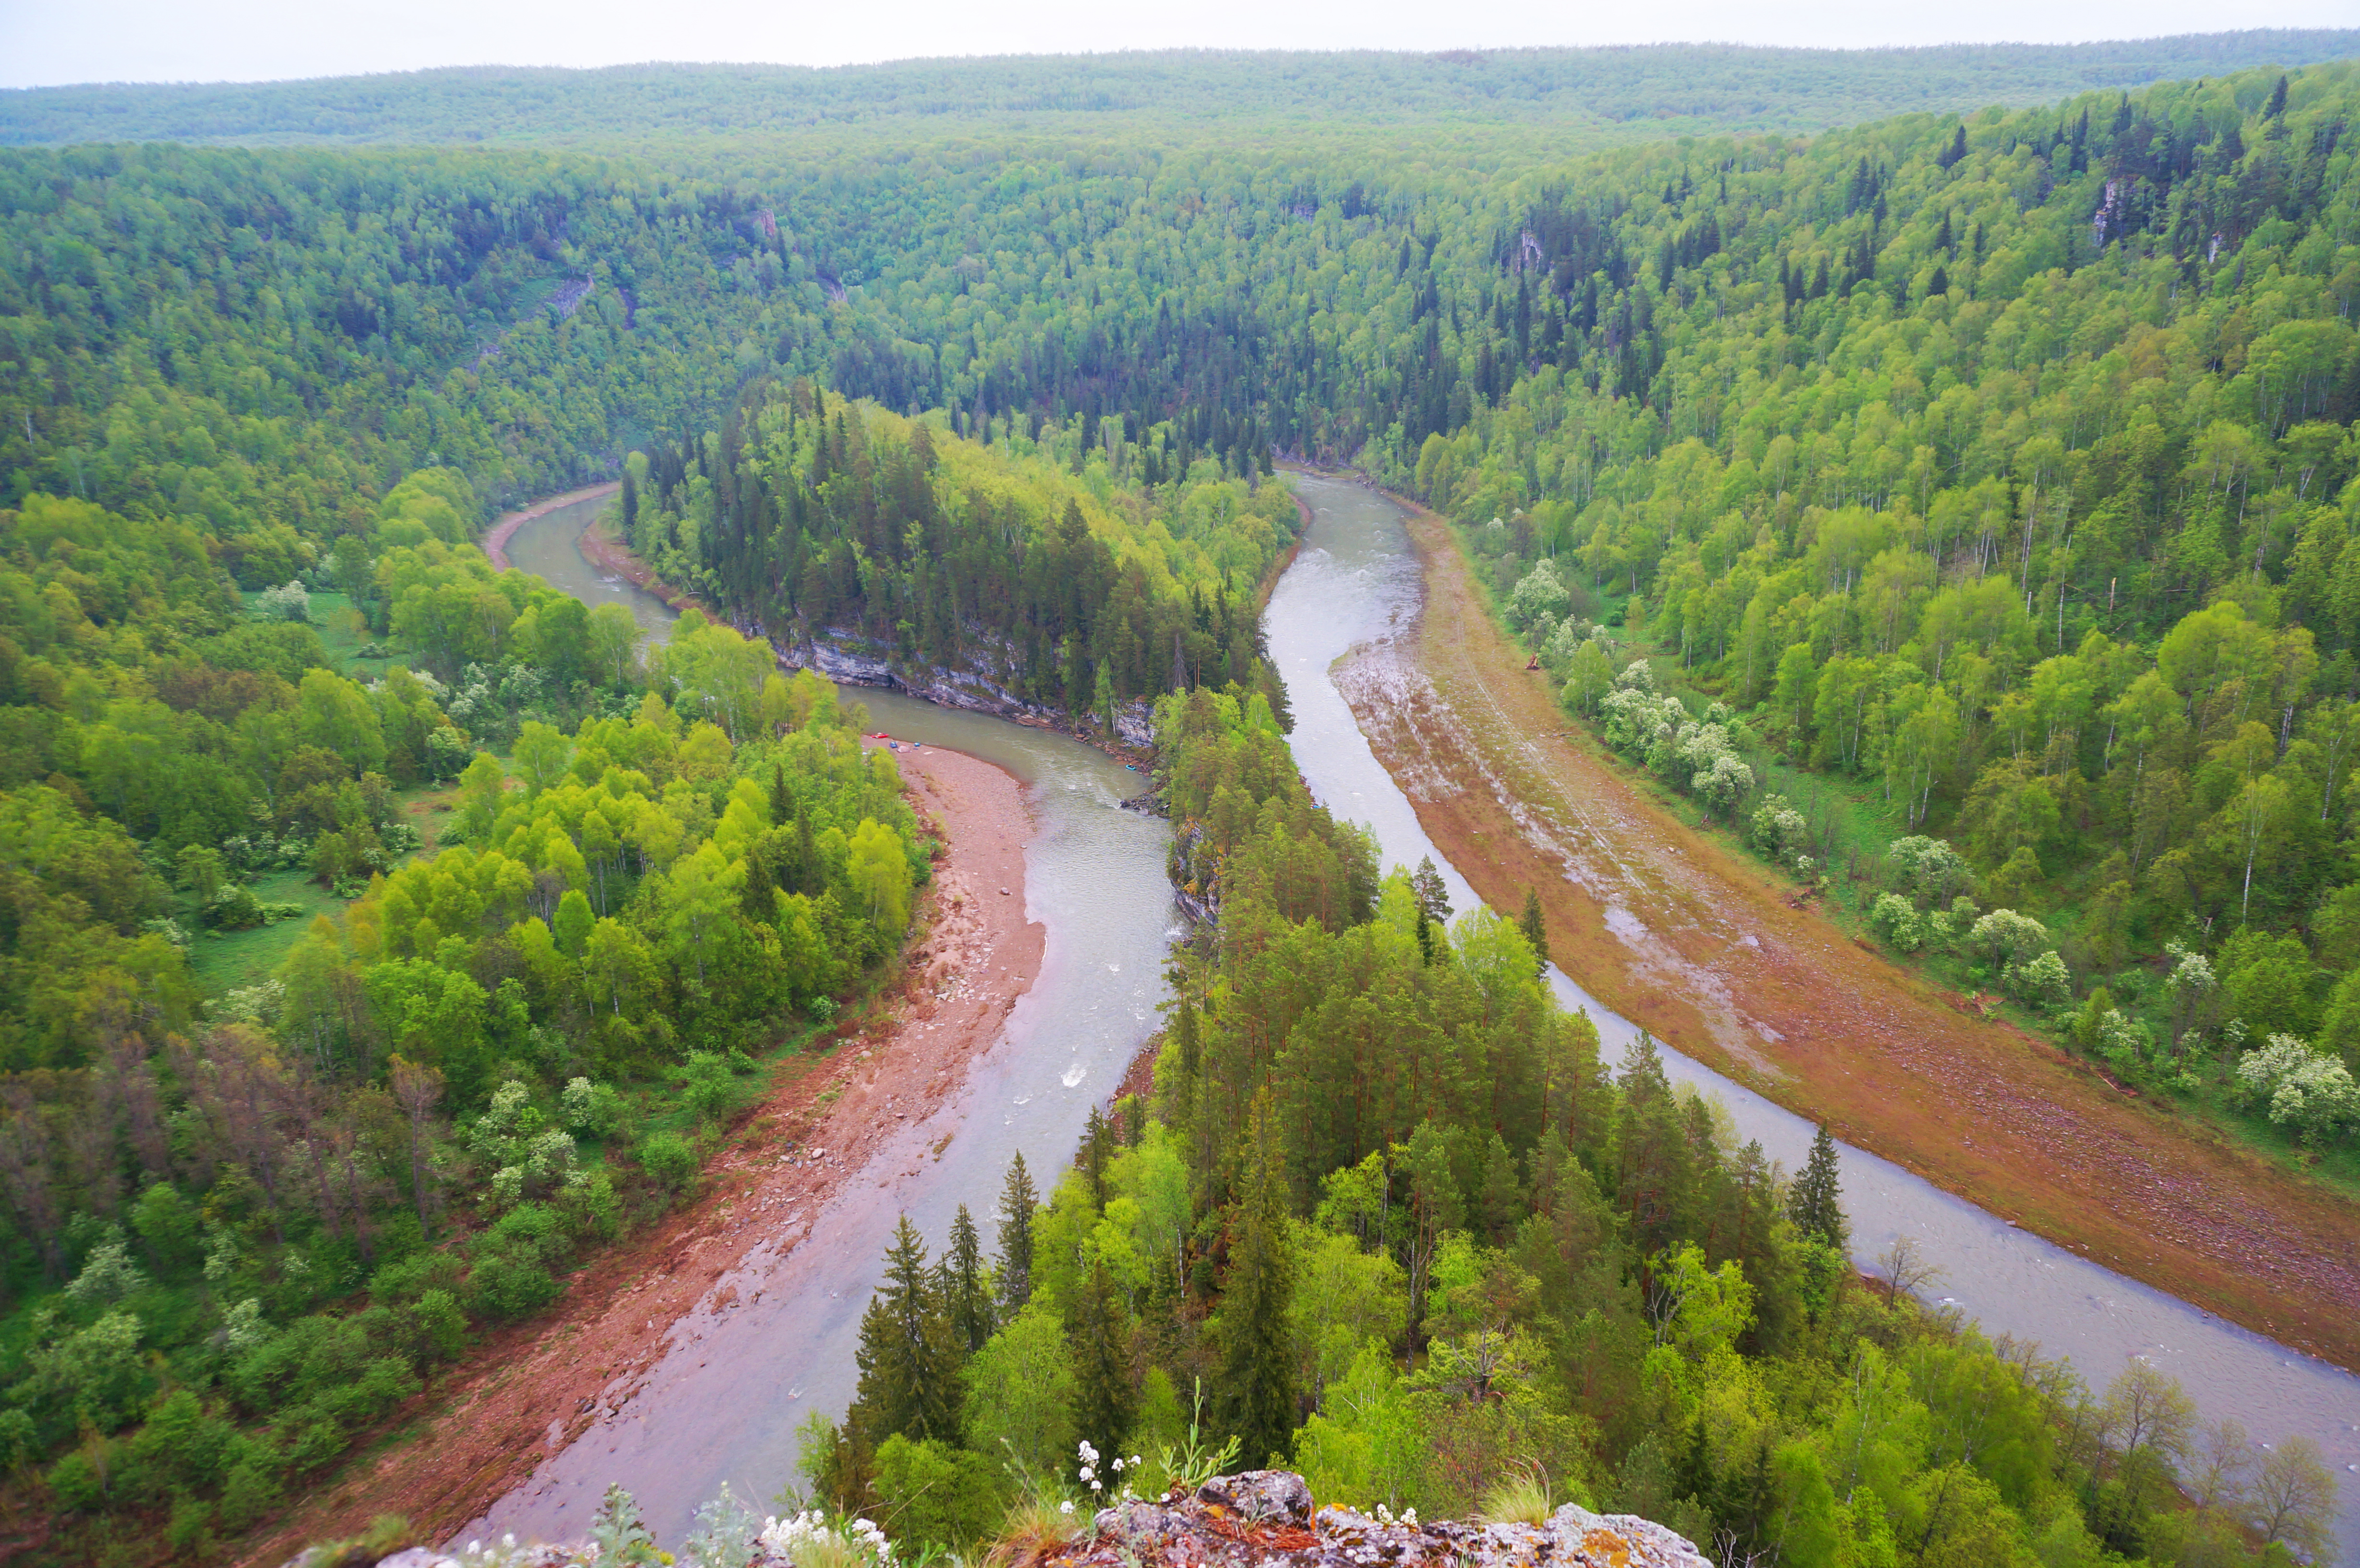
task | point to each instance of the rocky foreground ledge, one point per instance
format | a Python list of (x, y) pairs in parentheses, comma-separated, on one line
[(1261, 1519)]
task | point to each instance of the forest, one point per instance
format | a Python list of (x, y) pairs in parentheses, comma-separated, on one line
[(1388, 1219), (1999, 486), (1069, 567), (1958, 507), (1606, 95)]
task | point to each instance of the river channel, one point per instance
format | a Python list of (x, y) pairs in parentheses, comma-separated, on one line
[(1356, 581), (724, 1402)]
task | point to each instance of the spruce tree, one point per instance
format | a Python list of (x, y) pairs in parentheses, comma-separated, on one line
[(965, 1291), (1106, 1396), (909, 1361), (1426, 882), (759, 899), (1815, 1202), (1534, 929), (782, 805), (1257, 1374), (1017, 1202), (1096, 1139)]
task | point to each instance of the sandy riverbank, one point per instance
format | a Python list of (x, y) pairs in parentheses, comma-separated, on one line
[(526, 1393), (495, 539), (1679, 932)]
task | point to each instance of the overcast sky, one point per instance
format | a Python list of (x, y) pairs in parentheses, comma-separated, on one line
[(45, 42)]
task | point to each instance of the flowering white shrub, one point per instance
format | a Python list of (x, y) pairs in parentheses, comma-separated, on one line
[(291, 602), (1931, 867), (2041, 979), (2306, 1090), (2007, 937), (1540, 594)]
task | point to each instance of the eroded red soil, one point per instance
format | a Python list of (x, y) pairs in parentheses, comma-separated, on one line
[(527, 1393), (1701, 946)]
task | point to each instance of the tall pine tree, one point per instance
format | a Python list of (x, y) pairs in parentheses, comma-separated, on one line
[(967, 1291), (1815, 1202), (1017, 1201), (908, 1357), (1257, 1376), (1106, 1396), (1535, 929)]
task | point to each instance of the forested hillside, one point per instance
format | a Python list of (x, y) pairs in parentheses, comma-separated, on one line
[(1067, 567), (1620, 94), (2007, 465), (363, 908), (1387, 1219)]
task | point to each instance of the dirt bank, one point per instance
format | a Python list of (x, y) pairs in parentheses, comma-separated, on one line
[(526, 1393), (1687, 937), (495, 543), (600, 550)]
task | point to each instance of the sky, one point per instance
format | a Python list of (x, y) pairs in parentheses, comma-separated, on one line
[(52, 43)]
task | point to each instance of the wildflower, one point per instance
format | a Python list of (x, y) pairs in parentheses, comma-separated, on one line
[(1067, 1507)]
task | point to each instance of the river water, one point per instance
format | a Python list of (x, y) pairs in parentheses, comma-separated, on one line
[(1356, 581), (724, 1403)]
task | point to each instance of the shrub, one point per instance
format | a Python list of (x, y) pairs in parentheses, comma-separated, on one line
[(1929, 869), (1539, 596), (505, 1286), (2306, 1091), (935, 1494), (668, 1158), (1895, 921), (290, 602), (593, 1110), (2004, 937), (2041, 980), (438, 1325), (234, 909)]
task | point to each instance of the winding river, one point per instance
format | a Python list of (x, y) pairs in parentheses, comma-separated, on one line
[(1356, 581), (725, 1403)]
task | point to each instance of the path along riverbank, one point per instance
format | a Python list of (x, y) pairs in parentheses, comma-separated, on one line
[(1682, 934), (830, 1128)]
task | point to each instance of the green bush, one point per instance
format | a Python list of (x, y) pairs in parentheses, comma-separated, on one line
[(439, 1326), (505, 1287), (936, 1495), (669, 1158)]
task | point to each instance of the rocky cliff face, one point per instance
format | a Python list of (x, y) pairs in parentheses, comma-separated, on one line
[(1263, 1519), (980, 686)]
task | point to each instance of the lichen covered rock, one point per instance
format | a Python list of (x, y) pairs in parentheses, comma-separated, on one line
[(1263, 1519)]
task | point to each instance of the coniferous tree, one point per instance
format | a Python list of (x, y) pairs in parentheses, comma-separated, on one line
[(1105, 1388), (909, 1360), (967, 1291), (1017, 1201), (1097, 1140), (1815, 1202), (1258, 1363), (1535, 929), (1431, 897)]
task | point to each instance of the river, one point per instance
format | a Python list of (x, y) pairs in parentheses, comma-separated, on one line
[(1355, 580), (725, 1406), (725, 1400)]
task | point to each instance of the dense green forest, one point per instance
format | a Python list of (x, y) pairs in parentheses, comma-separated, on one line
[(2007, 466), (1388, 1219), (1617, 93), (1994, 473), (1066, 566)]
